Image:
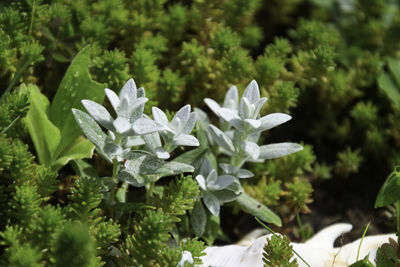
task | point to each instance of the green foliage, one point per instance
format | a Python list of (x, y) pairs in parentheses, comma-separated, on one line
[(278, 252)]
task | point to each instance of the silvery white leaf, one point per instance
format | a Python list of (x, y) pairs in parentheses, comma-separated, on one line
[(99, 113), (112, 149), (212, 105), (174, 167), (211, 177), (201, 181), (159, 116), (122, 125), (161, 153), (225, 195), (232, 118), (201, 116), (145, 126), (251, 149), (252, 92), (221, 138), (134, 141), (254, 136), (113, 98), (134, 154), (231, 98), (136, 108), (206, 167), (181, 117), (198, 219), (258, 106), (140, 92), (243, 174), (152, 141), (244, 108), (222, 182), (271, 120), (129, 91), (278, 150), (91, 129), (111, 134), (187, 129), (212, 203), (235, 187), (136, 181), (185, 140), (123, 109), (255, 124), (228, 168)]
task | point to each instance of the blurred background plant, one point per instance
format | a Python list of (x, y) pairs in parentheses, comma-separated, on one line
[(330, 64)]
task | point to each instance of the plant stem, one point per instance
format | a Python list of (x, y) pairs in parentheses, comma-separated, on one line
[(112, 191), (149, 191), (397, 204)]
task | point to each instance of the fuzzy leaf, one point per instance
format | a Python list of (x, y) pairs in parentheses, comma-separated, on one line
[(201, 181), (99, 113), (222, 182), (113, 98), (257, 209), (221, 138), (198, 219), (145, 126), (185, 140), (243, 174), (181, 118), (271, 120), (231, 98), (278, 150), (212, 105), (187, 129), (252, 92), (129, 91), (251, 149), (212, 203), (91, 129)]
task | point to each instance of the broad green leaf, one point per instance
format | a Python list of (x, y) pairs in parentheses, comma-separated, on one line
[(383, 258), (198, 219), (82, 168), (387, 84), (394, 67), (79, 149), (213, 229), (257, 209), (75, 86), (362, 263), (45, 135), (390, 191)]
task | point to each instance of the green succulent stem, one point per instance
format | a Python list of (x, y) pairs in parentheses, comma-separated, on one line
[(149, 191), (114, 188), (397, 204)]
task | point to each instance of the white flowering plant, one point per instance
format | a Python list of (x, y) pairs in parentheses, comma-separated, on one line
[(226, 150)]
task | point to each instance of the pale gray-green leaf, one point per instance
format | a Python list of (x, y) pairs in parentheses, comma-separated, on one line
[(187, 129), (99, 113), (257, 209), (252, 92), (221, 138), (198, 219), (201, 181), (129, 91), (145, 126), (243, 174), (113, 98), (271, 120), (212, 203), (185, 140), (278, 150), (181, 118), (214, 106), (231, 98), (251, 149), (122, 125), (159, 116)]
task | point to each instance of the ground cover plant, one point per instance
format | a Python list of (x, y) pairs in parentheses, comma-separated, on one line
[(331, 65)]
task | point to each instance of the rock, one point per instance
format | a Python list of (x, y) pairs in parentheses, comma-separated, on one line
[(317, 251)]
